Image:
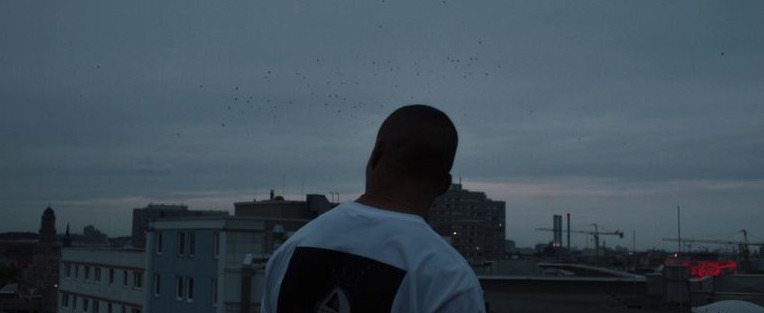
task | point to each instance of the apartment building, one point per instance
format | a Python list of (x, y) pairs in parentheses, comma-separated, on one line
[(471, 222), (101, 280), (202, 264)]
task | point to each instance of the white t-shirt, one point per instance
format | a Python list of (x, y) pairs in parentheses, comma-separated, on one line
[(359, 259)]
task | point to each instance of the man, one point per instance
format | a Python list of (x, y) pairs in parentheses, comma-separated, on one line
[(377, 254)]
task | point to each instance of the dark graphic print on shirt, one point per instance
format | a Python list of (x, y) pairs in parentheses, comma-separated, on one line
[(321, 280)]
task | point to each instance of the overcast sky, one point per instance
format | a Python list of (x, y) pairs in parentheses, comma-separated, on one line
[(614, 111)]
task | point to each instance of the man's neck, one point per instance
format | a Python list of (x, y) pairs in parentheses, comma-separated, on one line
[(389, 203)]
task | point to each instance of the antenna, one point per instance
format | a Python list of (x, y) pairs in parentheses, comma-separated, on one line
[(678, 230)]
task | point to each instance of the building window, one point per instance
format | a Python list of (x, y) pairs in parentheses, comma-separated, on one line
[(191, 243), (136, 310), (124, 309), (124, 278), (74, 302), (111, 276), (84, 304), (214, 288), (179, 288), (67, 270), (97, 273), (109, 307), (87, 272), (157, 285), (216, 244), (190, 289), (137, 279), (65, 300), (181, 243), (76, 271), (159, 242), (96, 306)]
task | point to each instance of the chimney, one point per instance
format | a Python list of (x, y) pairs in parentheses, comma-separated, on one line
[(568, 232)]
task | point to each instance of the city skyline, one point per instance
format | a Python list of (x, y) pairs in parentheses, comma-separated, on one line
[(614, 112), (578, 239)]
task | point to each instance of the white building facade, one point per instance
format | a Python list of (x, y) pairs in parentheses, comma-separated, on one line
[(196, 264), (101, 280)]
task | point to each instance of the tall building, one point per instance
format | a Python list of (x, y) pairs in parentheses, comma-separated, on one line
[(102, 280), (39, 281), (472, 223), (204, 264), (143, 216)]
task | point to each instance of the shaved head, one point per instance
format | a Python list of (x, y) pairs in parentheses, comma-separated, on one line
[(411, 161), (420, 141)]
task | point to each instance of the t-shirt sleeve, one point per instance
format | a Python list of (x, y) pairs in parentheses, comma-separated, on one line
[(467, 301), (274, 272), (265, 303)]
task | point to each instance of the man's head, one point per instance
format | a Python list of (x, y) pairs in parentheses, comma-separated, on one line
[(415, 145)]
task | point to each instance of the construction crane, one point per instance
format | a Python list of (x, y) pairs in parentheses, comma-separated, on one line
[(596, 233), (743, 246)]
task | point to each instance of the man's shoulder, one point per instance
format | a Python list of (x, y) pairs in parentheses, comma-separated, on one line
[(443, 259)]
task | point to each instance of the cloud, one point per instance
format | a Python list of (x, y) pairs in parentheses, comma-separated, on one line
[(556, 103), (584, 187)]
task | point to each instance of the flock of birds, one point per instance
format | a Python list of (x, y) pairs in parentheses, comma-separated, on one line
[(278, 91)]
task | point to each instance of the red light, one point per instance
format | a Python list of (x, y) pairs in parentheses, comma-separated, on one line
[(701, 268)]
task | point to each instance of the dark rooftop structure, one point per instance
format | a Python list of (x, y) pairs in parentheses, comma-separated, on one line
[(283, 217), (142, 217)]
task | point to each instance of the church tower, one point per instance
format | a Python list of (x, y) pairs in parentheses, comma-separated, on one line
[(48, 228), (40, 279), (67, 237)]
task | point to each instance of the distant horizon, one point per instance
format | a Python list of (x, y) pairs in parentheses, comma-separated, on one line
[(719, 249), (527, 242)]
